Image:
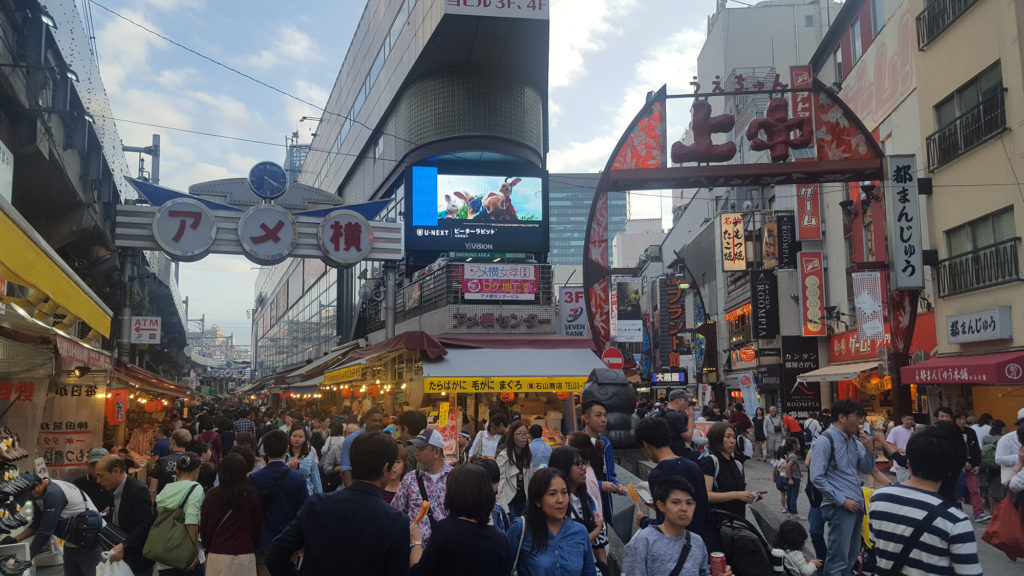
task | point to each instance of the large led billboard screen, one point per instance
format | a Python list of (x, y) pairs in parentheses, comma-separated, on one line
[(461, 212)]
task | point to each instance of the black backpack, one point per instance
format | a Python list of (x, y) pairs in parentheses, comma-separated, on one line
[(747, 551)]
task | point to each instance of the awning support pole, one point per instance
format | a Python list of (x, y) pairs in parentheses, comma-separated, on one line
[(390, 274)]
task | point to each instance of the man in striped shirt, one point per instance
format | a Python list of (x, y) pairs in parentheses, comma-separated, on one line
[(948, 545)]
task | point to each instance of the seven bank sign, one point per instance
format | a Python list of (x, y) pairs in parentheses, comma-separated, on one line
[(263, 217)]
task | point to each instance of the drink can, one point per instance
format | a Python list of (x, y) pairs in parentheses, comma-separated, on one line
[(717, 564)]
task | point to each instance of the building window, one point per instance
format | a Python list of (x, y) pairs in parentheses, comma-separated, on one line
[(967, 118), (809, 20), (855, 45), (877, 16), (981, 233), (837, 59), (982, 253)]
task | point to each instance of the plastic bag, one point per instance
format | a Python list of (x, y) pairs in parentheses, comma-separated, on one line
[(1006, 529), (108, 568)]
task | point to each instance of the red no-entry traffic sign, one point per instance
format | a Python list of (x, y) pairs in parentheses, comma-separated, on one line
[(613, 358)]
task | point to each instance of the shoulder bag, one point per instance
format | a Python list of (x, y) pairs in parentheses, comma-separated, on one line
[(683, 555), (169, 542), (83, 529), (915, 536), (425, 498), (519, 549)]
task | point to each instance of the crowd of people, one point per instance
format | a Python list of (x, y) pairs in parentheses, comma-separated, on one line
[(288, 493)]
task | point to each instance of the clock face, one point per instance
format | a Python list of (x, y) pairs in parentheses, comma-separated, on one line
[(267, 180)]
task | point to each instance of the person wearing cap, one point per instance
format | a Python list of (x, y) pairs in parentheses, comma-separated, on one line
[(1008, 448), (426, 483), (680, 422), (102, 499)]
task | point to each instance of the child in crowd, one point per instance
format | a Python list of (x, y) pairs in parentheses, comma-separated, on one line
[(791, 537), (780, 474), (499, 518), (793, 476)]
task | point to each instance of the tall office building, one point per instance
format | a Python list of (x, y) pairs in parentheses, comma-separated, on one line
[(569, 200)]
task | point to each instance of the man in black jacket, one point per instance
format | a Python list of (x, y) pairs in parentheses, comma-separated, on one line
[(354, 525), (968, 481), (132, 511)]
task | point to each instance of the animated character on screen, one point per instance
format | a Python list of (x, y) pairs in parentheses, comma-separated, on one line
[(474, 205), (499, 204), (451, 210)]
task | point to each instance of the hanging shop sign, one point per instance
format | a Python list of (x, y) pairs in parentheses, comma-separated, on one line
[(116, 407), (347, 374), (749, 389), (668, 377), (770, 244), (629, 319), (572, 317), (674, 339), (787, 244), (145, 330), (263, 217), (867, 297), (812, 295), (808, 212), (74, 354), (980, 326), (504, 384), (903, 215), (71, 425), (734, 247), (499, 282), (799, 355), (743, 358), (765, 304), (3, 292)]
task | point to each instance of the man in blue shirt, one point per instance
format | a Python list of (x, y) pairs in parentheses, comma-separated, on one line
[(162, 446), (373, 421), (839, 454), (282, 490), (654, 437), (539, 449)]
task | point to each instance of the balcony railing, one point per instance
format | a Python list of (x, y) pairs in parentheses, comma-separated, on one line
[(936, 17), (970, 130), (983, 268)]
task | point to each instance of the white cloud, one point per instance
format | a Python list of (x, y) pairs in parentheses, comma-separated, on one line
[(173, 5), (579, 27), (291, 46), (124, 48), (295, 110), (176, 79), (588, 156)]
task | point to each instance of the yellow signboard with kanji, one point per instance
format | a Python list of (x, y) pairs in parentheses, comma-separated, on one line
[(504, 384), (349, 374)]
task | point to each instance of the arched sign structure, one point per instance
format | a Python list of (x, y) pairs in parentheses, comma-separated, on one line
[(835, 147)]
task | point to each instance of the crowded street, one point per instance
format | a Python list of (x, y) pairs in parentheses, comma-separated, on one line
[(511, 288)]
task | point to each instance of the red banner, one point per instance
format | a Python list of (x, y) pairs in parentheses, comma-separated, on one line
[(812, 293), (74, 354), (808, 212)]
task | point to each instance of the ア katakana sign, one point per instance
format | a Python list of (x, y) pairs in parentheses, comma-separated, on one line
[(254, 218)]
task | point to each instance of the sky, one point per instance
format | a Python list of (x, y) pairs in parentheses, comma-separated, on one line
[(605, 55)]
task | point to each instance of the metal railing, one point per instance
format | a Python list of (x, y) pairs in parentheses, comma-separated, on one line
[(968, 131), (982, 268), (936, 17)]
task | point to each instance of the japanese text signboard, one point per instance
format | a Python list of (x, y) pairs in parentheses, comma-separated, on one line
[(145, 330), (799, 356), (185, 229), (800, 77), (765, 304), (71, 425), (533, 9), (734, 247), (812, 295), (979, 326), (672, 323), (808, 212), (770, 244), (267, 234), (345, 237), (572, 317), (74, 354), (903, 215), (504, 384), (499, 282)]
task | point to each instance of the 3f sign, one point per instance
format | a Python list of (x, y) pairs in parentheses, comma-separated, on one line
[(145, 330)]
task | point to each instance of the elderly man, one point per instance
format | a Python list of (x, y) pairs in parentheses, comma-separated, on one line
[(100, 497), (132, 511), (773, 430)]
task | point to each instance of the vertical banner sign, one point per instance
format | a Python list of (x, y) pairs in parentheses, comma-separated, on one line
[(734, 247), (770, 244), (799, 355), (808, 212), (572, 318), (671, 322), (749, 389), (788, 246), (703, 395), (904, 217), (765, 304), (629, 322), (812, 293), (867, 297), (72, 424), (800, 78), (613, 315)]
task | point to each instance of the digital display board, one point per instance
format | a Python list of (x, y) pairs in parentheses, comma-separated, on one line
[(462, 212)]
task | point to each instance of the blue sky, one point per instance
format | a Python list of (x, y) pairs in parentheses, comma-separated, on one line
[(605, 56)]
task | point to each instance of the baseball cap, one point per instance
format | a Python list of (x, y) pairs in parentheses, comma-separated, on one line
[(429, 437), (1020, 416), (676, 394), (96, 454)]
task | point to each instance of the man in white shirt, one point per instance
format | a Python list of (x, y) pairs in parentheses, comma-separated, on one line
[(813, 425), (983, 426), (899, 436), (1008, 447)]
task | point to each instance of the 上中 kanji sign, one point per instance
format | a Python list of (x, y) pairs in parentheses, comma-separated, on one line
[(734, 247), (345, 237), (903, 215)]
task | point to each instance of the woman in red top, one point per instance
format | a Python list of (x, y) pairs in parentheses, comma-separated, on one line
[(229, 523), (796, 432), (210, 436)]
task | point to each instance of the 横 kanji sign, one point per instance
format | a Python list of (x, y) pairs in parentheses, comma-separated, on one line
[(345, 237), (185, 229), (903, 215), (267, 234)]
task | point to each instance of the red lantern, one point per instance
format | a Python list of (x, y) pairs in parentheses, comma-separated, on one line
[(508, 396), (358, 392), (346, 393), (374, 390), (116, 406), (563, 395)]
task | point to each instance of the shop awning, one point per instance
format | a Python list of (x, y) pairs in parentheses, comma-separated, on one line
[(319, 365), (27, 259), (307, 386), (478, 370), (1000, 368), (838, 372), (150, 382), (348, 372), (410, 340)]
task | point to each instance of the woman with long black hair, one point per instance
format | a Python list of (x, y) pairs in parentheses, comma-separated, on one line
[(543, 543), (582, 507), (229, 524), (515, 461)]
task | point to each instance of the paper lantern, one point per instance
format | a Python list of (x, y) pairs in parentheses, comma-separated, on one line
[(116, 406), (358, 392), (563, 395), (153, 406), (374, 390), (346, 393), (508, 396)]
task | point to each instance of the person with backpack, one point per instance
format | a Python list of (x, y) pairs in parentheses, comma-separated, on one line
[(185, 494), (812, 429), (723, 474), (282, 492), (989, 475), (669, 549)]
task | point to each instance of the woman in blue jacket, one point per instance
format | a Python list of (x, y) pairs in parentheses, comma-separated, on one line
[(544, 542), (302, 457)]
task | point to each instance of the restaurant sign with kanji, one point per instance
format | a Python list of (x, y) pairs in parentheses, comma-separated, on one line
[(505, 384), (239, 216), (994, 323), (903, 215)]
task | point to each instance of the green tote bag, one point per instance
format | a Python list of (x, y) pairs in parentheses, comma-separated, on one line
[(168, 542)]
